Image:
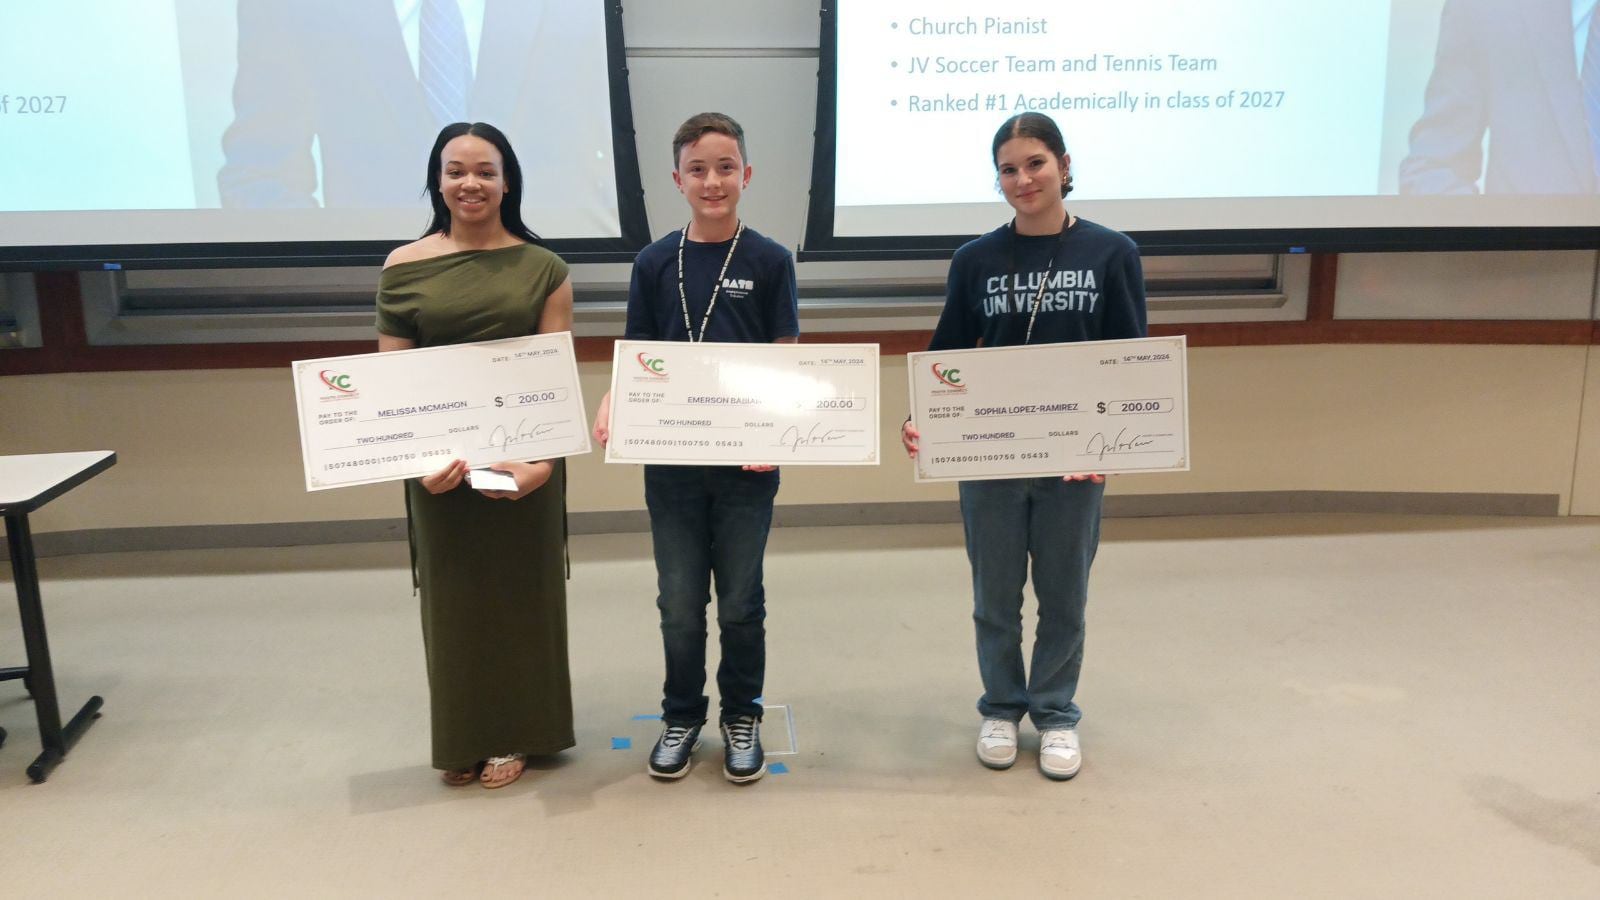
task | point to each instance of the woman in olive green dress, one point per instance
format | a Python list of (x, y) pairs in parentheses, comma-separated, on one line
[(490, 564)]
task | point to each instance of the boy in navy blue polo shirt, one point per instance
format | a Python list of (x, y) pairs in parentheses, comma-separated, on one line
[(716, 280)]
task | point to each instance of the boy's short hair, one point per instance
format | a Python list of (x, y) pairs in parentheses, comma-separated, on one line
[(703, 123)]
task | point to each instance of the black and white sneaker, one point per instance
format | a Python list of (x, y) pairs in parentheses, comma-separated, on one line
[(744, 761), (673, 753)]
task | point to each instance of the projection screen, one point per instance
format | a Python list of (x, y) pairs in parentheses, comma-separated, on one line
[(1215, 126), (196, 132)]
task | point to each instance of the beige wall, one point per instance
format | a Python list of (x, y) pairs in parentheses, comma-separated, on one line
[(1586, 481), (220, 447)]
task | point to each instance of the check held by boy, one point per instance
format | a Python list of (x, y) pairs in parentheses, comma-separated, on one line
[(744, 404)]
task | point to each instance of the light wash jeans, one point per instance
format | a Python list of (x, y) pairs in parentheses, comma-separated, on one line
[(1056, 525)]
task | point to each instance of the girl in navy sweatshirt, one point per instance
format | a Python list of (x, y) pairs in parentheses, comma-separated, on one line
[(1046, 276)]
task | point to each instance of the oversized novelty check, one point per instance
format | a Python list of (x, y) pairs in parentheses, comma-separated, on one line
[(386, 416), (1051, 409), (744, 404)]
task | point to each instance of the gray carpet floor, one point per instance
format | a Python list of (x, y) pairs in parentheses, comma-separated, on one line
[(1275, 706)]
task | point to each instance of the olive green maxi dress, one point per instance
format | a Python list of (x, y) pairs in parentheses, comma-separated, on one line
[(492, 573)]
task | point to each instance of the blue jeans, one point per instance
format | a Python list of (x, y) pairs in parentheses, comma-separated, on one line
[(710, 522), (1056, 524)]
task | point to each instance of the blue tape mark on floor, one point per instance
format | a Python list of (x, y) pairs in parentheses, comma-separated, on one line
[(621, 743), (778, 769), (645, 717)]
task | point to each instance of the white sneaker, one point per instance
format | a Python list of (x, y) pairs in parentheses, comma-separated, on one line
[(1059, 754), (997, 743)]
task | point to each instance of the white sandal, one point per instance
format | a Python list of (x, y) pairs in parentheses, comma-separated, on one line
[(492, 766)]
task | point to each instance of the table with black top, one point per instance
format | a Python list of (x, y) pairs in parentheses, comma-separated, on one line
[(27, 483)]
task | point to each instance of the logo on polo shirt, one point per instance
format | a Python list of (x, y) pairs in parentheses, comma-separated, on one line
[(738, 288)]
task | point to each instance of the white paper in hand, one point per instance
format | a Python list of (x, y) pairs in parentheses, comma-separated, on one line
[(491, 480)]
